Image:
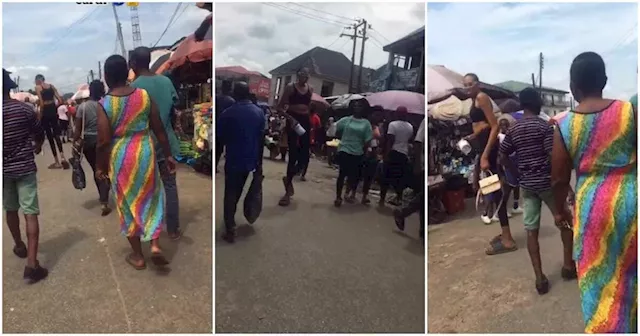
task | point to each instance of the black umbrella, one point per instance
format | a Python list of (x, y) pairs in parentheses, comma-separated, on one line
[(159, 62), (509, 106)]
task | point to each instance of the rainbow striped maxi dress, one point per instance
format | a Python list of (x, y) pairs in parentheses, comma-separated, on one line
[(603, 147), (133, 169)]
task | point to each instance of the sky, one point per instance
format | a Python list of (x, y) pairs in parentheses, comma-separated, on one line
[(70, 39), (274, 34), (502, 41)]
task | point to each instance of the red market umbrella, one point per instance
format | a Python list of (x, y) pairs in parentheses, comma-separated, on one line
[(391, 100), (190, 51), (319, 102)]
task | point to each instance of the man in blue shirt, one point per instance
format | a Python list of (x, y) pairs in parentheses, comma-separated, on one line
[(240, 129), (163, 93), (223, 102)]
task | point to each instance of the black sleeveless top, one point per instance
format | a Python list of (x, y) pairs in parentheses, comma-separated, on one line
[(48, 93), (476, 114), (296, 98)]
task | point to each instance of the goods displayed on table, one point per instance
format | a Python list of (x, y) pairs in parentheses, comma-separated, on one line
[(202, 123)]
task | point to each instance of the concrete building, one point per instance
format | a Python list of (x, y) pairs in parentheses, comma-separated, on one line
[(329, 73), (405, 67), (555, 100)]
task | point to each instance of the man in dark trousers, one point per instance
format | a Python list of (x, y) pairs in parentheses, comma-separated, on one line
[(240, 129), (223, 102)]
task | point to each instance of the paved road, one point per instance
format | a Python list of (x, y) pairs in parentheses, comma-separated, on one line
[(90, 288), (317, 269), (470, 292)]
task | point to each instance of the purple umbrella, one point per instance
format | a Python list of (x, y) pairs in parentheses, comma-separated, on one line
[(391, 100)]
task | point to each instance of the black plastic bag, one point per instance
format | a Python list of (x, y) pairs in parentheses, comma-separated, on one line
[(77, 174), (253, 199)]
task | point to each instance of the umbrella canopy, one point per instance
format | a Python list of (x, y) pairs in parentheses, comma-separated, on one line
[(343, 101), (158, 62), (391, 100), (319, 102), (443, 82), (509, 106), (83, 92), (189, 50), (22, 96)]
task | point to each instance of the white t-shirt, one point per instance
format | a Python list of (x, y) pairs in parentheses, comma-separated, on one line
[(403, 132), (331, 132), (420, 138), (62, 112)]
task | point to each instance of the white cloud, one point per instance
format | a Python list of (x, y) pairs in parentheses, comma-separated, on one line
[(262, 36), (502, 42), (64, 49)]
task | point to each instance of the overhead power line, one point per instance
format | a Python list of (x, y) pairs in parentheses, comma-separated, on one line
[(307, 15), (55, 44), (340, 17), (169, 23)]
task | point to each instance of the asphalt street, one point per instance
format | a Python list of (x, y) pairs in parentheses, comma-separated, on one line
[(90, 288), (313, 268)]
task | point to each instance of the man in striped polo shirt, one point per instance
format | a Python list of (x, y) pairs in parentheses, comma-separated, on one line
[(20, 185), (532, 138)]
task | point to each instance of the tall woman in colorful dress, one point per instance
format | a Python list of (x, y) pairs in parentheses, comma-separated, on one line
[(598, 140), (125, 153)]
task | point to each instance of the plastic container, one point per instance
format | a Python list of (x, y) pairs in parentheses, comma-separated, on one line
[(464, 146)]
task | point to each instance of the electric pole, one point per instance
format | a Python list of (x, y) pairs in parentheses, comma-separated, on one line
[(354, 37), (533, 80), (541, 66), (364, 39), (18, 84), (91, 74), (119, 32), (99, 70)]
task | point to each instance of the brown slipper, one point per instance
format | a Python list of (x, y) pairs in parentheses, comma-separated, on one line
[(65, 164), (131, 261), (55, 166), (284, 201), (158, 259), (105, 211), (175, 235)]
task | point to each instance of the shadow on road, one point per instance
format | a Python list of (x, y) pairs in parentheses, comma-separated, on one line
[(54, 248)]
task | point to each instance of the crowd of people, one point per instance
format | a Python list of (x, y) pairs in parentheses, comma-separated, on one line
[(597, 140), (295, 132), (126, 136)]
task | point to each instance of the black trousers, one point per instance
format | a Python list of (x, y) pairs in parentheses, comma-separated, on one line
[(368, 171), (234, 182), (219, 151), (396, 172), (299, 146), (51, 128), (349, 170), (417, 203), (89, 151)]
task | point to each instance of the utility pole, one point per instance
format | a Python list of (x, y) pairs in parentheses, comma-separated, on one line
[(541, 66), (18, 84), (533, 80), (354, 37), (119, 32), (91, 74), (99, 70), (364, 39)]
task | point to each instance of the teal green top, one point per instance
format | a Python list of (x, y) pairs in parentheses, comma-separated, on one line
[(355, 134), (163, 93), (634, 101)]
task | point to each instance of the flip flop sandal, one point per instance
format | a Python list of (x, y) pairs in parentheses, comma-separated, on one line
[(105, 212), (20, 250), (55, 166), (175, 236), (158, 259), (337, 203), (495, 239), (133, 263), (569, 274), (499, 248), (284, 201), (65, 164)]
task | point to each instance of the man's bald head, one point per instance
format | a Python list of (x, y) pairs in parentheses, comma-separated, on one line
[(140, 59), (241, 91)]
